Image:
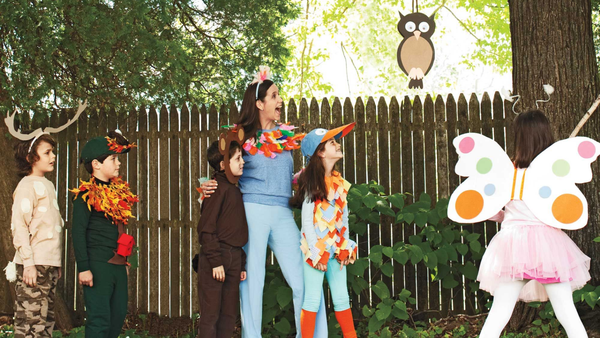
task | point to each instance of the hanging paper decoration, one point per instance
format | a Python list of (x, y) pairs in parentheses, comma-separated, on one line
[(416, 53)]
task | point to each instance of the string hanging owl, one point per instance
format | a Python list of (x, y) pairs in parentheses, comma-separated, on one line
[(416, 53)]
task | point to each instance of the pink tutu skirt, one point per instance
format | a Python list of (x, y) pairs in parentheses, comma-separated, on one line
[(539, 253)]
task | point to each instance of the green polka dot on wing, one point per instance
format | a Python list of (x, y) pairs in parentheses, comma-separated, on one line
[(561, 168), (484, 165)]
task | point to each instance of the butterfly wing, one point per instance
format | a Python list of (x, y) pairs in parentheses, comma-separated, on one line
[(550, 191), (489, 184)]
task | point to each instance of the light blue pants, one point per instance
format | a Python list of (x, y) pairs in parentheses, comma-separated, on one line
[(338, 285), (273, 226)]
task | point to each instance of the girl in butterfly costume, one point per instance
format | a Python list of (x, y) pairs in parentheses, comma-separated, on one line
[(530, 258), (325, 242)]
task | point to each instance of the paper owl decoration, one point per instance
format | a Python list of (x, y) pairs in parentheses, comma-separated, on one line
[(416, 52)]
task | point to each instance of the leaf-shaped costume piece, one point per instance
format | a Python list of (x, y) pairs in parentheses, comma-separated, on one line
[(331, 230), (274, 142), (115, 200)]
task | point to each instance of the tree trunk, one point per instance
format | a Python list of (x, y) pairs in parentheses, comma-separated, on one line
[(8, 183), (552, 43)]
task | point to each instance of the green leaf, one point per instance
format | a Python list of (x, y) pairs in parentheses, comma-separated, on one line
[(401, 256), (597, 239), (416, 254), (425, 198), (473, 237), (383, 312), (387, 269), (442, 256), (469, 271), (408, 218), (388, 251), (451, 251), (385, 209), (283, 326), (397, 200), (475, 246), (591, 299), (376, 257), (399, 217), (431, 260), (399, 311), (404, 294), (462, 248), (448, 235), (370, 201), (449, 282), (415, 240), (537, 322), (284, 296), (381, 290), (375, 324), (367, 312), (421, 219)]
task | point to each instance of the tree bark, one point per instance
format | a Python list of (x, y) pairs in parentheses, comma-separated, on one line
[(8, 183), (552, 43)]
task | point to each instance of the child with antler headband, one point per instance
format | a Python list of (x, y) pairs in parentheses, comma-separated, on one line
[(36, 227), (101, 209)]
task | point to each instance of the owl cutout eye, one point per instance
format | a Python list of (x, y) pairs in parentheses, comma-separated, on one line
[(320, 132), (410, 26), (424, 27)]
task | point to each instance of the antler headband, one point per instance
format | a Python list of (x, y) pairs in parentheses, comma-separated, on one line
[(9, 121), (548, 89), (264, 73)]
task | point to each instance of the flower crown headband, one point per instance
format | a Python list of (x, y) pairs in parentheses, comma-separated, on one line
[(264, 73)]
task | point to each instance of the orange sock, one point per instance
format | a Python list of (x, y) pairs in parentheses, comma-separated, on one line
[(346, 322), (307, 323)]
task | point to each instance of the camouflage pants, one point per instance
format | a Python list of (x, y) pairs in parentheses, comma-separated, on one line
[(34, 308)]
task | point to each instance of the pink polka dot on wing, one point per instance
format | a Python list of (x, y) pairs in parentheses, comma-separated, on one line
[(586, 149), (466, 145)]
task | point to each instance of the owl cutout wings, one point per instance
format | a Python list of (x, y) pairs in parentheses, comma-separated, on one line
[(547, 187)]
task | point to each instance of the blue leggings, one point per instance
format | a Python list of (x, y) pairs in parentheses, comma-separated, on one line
[(313, 286), (273, 226)]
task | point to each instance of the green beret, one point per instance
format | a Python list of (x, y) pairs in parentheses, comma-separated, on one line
[(99, 146)]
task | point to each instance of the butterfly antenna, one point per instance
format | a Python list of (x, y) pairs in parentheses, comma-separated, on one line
[(515, 103)]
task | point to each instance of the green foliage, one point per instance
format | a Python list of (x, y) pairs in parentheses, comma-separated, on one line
[(365, 34), (132, 52), (437, 244)]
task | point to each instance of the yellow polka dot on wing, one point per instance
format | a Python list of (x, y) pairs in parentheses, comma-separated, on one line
[(58, 228), (25, 205), (39, 188), (43, 209), (50, 234), (55, 203)]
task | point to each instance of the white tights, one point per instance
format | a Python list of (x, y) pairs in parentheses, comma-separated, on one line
[(506, 296)]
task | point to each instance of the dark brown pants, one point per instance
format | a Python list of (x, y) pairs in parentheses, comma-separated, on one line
[(219, 301)]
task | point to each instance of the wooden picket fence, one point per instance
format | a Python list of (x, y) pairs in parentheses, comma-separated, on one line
[(406, 146)]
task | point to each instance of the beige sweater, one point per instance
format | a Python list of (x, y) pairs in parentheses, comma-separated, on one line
[(36, 223)]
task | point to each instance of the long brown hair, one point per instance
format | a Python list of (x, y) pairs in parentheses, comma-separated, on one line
[(249, 113), (532, 136), (311, 183), (26, 159)]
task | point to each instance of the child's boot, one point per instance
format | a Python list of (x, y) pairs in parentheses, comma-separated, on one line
[(307, 323), (346, 323)]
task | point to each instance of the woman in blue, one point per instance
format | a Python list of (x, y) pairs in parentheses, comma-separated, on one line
[(266, 186)]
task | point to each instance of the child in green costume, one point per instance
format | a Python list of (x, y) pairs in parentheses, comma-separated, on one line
[(101, 209)]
